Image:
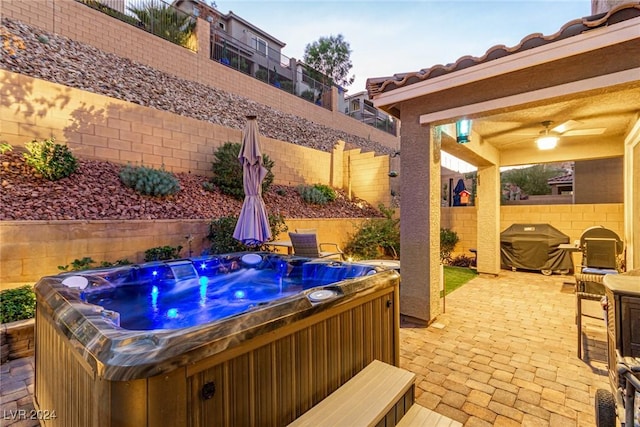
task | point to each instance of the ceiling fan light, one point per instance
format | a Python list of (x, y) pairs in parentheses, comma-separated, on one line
[(547, 142)]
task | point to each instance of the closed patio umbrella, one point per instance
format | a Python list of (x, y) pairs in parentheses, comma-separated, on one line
[(252, 228)]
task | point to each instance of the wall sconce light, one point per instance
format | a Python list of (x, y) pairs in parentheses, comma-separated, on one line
[(463, 131), (393, 174)]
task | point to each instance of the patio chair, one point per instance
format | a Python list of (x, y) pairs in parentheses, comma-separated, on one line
[(601, 251), (306, 245)]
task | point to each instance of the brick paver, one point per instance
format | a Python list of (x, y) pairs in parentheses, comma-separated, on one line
[(514, 340)]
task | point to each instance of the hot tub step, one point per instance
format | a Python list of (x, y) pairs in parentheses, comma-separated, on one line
[(380, 394), (419, 416)]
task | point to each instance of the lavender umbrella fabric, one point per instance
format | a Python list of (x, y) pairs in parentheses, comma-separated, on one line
[(253, 224)]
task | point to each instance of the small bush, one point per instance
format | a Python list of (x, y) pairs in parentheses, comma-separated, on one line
[(115, 263), (461, 261), (162, 253), (311, 194), (87, 263), (208, 186), (5, 147), (287, 86), (309, 95), (78, 264), (448, 240), (149, 181), (53, 161), (327, 191), (262, 74), (221, 234), (375, 235), (17, 304), (227, 171)]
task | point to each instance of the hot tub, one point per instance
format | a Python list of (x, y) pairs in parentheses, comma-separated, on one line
[(237, 339)]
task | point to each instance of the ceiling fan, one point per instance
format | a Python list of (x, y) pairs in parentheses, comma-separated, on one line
[(571, 128), (548, 137)]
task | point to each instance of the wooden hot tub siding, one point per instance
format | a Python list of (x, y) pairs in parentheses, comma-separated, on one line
[(266, 381)]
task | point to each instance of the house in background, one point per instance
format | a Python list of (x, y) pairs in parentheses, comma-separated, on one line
[(361, 108), (246, 48), (562, 185), (242, 45)]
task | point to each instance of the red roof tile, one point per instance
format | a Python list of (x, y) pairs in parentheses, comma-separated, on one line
[(378, 85)]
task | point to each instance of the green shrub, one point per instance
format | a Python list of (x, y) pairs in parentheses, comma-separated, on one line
[(327, 191), (376, 235), (149, 181), (162, 253), (53, 161), (221, 234), (5, 147), (165, 21), (311, 194), (96, 4), (448, 240), (17, 304), (262, 74), (309, 95), (78, 264), (115, 263), (227, 171), (287, 86), (87, 263)]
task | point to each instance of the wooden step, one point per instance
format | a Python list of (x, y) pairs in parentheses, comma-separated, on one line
[(365, 400), (419, 416)]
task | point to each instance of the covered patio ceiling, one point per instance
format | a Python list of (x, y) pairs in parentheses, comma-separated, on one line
[(597, 121)]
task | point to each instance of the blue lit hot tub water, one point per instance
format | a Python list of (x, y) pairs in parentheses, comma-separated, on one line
[(185, 293)]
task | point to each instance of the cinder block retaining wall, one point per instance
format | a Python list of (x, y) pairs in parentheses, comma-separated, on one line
[(33, 249), (100, 127), (17, 340), (569, 219)]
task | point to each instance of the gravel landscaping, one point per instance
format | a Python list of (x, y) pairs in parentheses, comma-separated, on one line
[(95, 192)]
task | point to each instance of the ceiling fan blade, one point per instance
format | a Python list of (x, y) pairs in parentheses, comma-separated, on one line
[(584, 132), (568, 125)]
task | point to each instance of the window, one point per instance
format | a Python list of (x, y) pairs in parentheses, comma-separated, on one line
[(261, 46)]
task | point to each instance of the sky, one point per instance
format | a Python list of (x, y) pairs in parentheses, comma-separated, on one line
[(388, 37)]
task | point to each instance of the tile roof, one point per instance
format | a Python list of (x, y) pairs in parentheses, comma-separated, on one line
[(378, 85), (562, 179)]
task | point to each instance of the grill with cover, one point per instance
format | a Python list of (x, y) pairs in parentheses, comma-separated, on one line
[(534, 247)]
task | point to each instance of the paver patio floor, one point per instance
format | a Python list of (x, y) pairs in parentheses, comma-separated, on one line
[(504, 353)]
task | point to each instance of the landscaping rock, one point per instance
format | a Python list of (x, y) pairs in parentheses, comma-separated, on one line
[(95, 192), (74, 64)]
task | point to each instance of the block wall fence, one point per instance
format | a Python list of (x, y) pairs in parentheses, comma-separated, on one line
[(79, 22), (32, 249), (572, 220)]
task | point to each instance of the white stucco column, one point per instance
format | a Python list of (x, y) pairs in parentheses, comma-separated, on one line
[(488, 205), (632, 196), (419, 221)]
